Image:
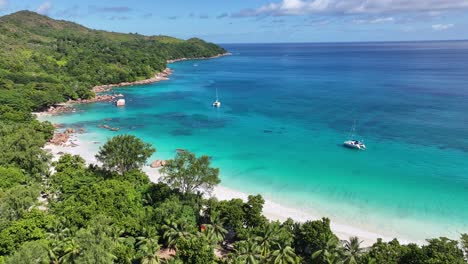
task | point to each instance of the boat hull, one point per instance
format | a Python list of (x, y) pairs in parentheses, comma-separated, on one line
[(354, 145)]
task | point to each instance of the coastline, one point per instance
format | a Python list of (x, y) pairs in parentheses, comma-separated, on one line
[(75, 145), (67, 107), (200, 58), (160, 76)]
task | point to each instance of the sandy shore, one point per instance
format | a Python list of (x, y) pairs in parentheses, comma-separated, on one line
[(273, 211)]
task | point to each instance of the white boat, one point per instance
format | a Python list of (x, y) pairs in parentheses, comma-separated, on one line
[(353, 143), (120, 102), (216, 103)]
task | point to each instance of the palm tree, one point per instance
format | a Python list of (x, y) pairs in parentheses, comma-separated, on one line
[(117, 234), (150, 253), (215, 231), (283, 255), (149, 247), (268, 238), (352, 250), (248, 252), (71, 252), (150, 237), (329, 252), (175, 232), (53, 252)]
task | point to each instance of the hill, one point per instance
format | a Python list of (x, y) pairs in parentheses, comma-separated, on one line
[(48, 61)]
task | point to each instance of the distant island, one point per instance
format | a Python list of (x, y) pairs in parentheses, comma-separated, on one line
[(62, 210)]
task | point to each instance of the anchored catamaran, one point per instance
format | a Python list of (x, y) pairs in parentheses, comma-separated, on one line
[(353, 143)]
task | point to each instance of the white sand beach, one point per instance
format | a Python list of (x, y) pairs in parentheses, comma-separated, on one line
[(271, 210)]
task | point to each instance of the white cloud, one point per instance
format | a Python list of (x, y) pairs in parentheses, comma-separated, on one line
[(378, 20), (3, 4), (44, 8), (440, 27), (304, 7)]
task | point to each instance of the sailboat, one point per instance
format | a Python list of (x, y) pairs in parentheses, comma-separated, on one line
[(216, 103), (353, 143)]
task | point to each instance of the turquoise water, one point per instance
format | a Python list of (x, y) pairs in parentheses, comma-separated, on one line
[(286, 109)]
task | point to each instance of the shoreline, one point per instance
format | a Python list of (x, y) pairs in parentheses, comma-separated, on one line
[(160, 76), (273, 211), (67, 107), (200, 58)]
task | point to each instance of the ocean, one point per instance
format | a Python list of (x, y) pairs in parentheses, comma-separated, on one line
[(286, 110)]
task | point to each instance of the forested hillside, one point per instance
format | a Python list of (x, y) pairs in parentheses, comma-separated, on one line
[(48, 61)]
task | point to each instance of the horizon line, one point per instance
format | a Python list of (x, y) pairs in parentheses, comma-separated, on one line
[(345, 42)]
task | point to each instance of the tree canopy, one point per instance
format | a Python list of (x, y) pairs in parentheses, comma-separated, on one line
[(190, 174), (124, 153)]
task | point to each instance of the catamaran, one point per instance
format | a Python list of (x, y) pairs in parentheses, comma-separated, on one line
[(216, 103), (353, 143)]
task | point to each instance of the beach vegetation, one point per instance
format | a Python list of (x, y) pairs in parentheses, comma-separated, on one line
[(352, 250), (464, 244), (196, 250), (190, 174), (124, 153)]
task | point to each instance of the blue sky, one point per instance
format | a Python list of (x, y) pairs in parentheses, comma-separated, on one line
[(233, 21)]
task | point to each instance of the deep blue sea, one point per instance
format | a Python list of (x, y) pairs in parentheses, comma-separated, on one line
[(287, 108)]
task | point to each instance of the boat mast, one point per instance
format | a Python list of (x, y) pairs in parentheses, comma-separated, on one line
[(353, 130), (216, 93)]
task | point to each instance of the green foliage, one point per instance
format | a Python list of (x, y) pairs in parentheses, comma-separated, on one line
[(247, 251), (30, 252), (15, 202), (312, 236), (232, 212), (124, 153), (464, 244), (148, 247), (116, 199), (352, 250), (95, 246), (384, 252), (30, 227), (175, 233), (253, 211), (443, 250), (157, 193), (172, 210), (283, 255), (215, 231), (21, 146), (10, 177), (190, 174), (196, 250), (330, 252)]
